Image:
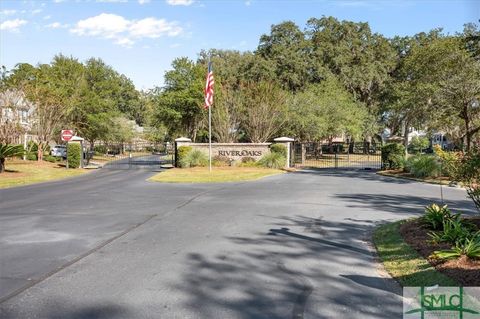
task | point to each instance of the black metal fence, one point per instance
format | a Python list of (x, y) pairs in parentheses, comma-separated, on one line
[(134, 155), (337, 155)]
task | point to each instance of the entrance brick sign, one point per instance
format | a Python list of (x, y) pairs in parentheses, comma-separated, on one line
[(234, 151)]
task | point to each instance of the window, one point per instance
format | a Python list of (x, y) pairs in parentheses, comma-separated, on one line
[(24, 116)]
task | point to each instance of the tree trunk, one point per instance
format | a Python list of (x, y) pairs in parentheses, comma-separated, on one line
[(468, 135), (2, 165), (40, 152), (405, 138), (194, 136)]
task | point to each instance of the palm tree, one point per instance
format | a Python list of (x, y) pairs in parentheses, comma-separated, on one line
[(8, 150)]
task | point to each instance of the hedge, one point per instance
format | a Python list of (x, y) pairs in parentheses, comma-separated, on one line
[(393, 156), (182, 151), (74, 155)]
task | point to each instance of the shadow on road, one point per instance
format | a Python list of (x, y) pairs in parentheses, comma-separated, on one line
[(400, 204), (275, 274), (364, 175), (59, 311)]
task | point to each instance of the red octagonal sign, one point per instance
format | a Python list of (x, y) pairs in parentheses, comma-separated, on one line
[(67, 135)]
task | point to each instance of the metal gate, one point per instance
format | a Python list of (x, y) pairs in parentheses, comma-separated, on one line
[(338, 155), (125, 156)]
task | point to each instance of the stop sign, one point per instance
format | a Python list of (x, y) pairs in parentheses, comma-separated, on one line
[(67, 135)]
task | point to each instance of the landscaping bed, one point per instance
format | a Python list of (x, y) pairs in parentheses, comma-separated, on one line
[(463, 270), (403, 262)]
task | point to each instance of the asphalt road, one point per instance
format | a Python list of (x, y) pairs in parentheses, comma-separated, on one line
[(112, 245)]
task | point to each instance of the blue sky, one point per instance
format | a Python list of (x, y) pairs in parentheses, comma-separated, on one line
[(140, 38)]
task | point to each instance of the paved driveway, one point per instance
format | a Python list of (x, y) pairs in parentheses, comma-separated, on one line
[(112, 245)]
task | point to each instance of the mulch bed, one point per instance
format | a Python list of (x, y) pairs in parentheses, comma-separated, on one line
[(463, 270)]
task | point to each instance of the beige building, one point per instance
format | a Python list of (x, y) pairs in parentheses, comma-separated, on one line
[(16, 117)]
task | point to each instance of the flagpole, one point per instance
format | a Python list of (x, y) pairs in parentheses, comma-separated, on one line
[(210, 138), (210, 133)]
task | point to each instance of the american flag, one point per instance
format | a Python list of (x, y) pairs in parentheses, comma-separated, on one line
[(209, 87)]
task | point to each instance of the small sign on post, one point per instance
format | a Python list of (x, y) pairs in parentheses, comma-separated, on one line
[(67, 135)]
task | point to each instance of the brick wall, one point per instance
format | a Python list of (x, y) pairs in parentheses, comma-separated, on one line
[(234, 151)]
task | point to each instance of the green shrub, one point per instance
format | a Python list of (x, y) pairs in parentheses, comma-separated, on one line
[(194, 158), (272, 160), (453, 231), (469, 174), (74, 155), (32, 147), (423, 166), (51, 159), (32, 156), (248, 159), (248, 162), (220, 161), (16, 149), (469, 247), (182, 151), (436, 215), (9, 150), (450, 161), (100, 149), (279, 148), (393, 156), (418, 144)]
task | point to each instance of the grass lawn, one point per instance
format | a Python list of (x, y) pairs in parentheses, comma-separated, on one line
[(20, 172), (218, 174), (402, 262)]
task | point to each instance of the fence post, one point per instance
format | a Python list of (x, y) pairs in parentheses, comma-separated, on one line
[(287, 141), (179, 142)]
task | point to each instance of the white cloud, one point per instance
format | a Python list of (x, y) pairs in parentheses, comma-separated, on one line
[(123, 31), (179, 2), (47, 17), (154, 28), (104, 25), (7, 12), (37, 11), (56, 25), (143, 1), (12, 25), (58, 1), (126, 42), (112, 1), (248, 3)]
